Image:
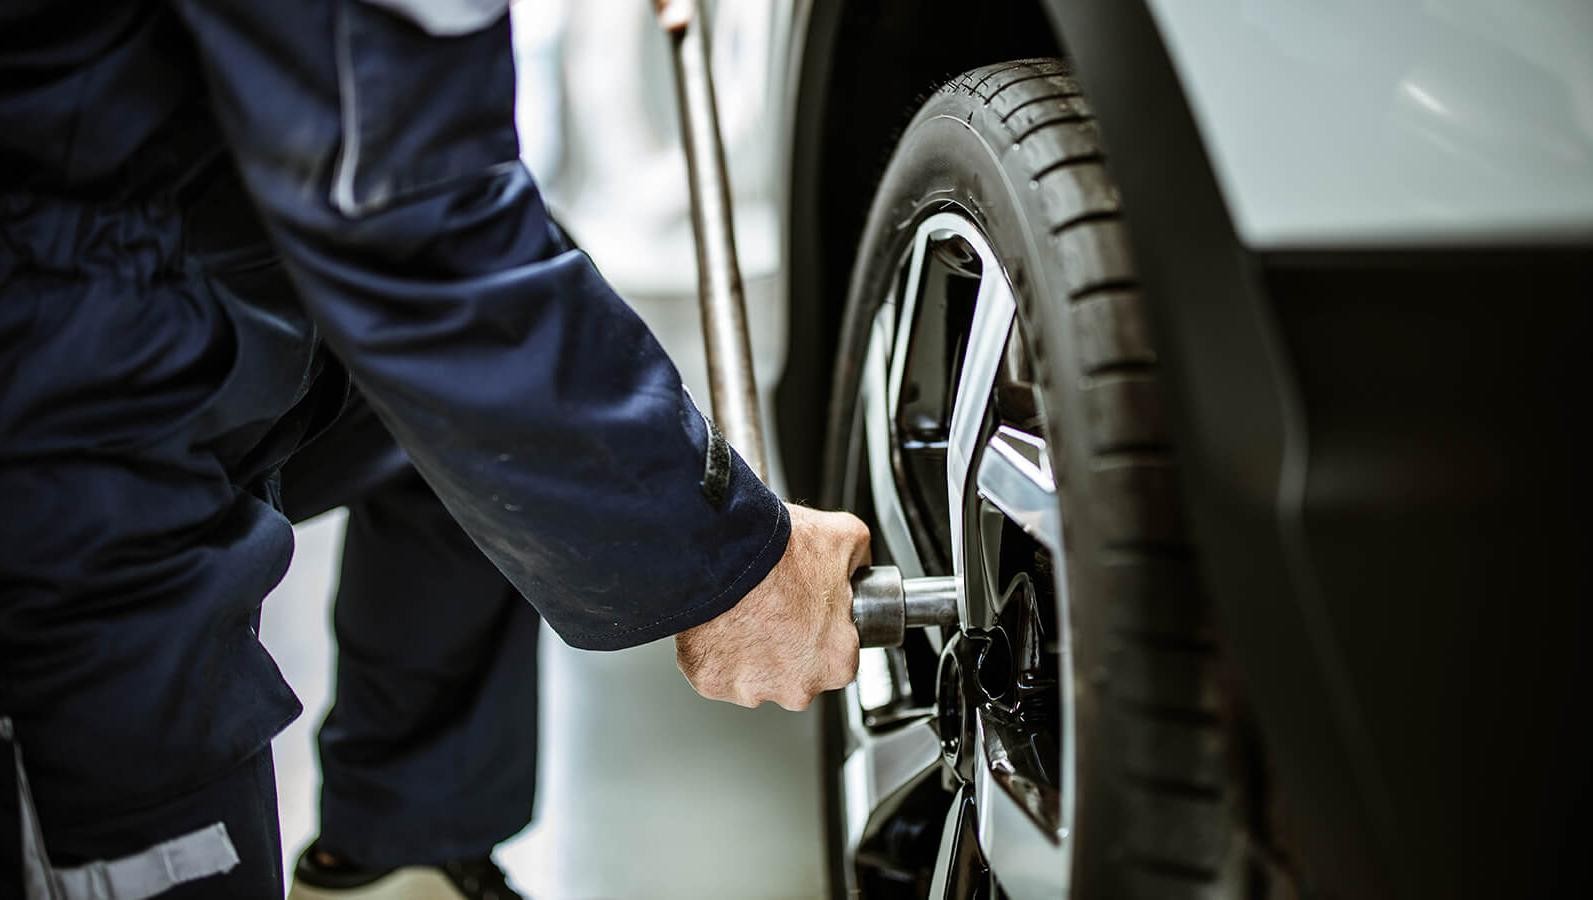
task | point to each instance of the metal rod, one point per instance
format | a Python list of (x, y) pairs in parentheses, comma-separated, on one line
[(884, 604), (732, 387)]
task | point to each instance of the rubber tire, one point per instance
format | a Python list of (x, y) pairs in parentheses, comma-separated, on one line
[(1159, 810)]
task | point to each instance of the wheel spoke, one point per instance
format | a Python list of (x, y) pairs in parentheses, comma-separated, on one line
[(877, 394), (952, 863), (911, 288), (987, 341), (1015, 475), (1026, 860), (880, 766), (994, 310)]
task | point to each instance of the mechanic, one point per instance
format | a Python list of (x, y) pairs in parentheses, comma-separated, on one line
[(246, 246)]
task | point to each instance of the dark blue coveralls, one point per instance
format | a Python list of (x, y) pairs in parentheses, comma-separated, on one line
[(242, 243)]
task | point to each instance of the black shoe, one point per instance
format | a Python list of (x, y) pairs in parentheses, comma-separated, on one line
[(480, 879), (317, 878)]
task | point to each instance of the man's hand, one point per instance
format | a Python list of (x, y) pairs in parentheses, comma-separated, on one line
[(792, 637)]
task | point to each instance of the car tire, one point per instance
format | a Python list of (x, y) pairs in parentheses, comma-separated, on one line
[(1159, 805)]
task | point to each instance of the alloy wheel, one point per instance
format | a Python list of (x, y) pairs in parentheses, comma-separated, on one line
[(958, 767)]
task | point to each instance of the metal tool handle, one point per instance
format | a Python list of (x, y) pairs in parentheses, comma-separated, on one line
[(884, 604), (732, 388)]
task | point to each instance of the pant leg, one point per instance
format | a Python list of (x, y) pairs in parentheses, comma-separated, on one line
[(140, 697), (137, 542), (429, 751), (157, 370), (242, 801)]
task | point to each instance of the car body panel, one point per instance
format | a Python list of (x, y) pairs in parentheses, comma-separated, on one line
[(1368, 122), (1374, 458)]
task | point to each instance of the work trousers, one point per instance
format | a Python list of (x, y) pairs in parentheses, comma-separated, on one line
[(429, 750), (165, 432)]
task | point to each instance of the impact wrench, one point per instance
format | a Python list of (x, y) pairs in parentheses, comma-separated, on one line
[(884, 604)]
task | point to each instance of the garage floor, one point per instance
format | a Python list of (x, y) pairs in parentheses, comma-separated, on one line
[(646, 790)]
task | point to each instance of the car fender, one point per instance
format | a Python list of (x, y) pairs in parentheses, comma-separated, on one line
[(1378, 121)]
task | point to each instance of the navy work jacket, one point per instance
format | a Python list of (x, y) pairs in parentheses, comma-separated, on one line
[(381, 153), (376, 144)]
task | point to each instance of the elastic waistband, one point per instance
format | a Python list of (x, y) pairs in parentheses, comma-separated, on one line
[(130, 226), (131, 240)]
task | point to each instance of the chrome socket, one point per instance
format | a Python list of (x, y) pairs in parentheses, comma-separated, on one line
[(885, 605)]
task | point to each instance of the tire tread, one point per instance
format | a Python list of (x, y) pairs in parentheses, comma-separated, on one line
[(1162, 685)]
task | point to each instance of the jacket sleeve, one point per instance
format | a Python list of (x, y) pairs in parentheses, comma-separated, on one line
[(379, 147)]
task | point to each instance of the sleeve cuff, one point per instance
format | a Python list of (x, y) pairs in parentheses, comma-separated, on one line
[(746, 577)]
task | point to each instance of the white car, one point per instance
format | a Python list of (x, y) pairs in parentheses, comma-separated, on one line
[(1226, 352)]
